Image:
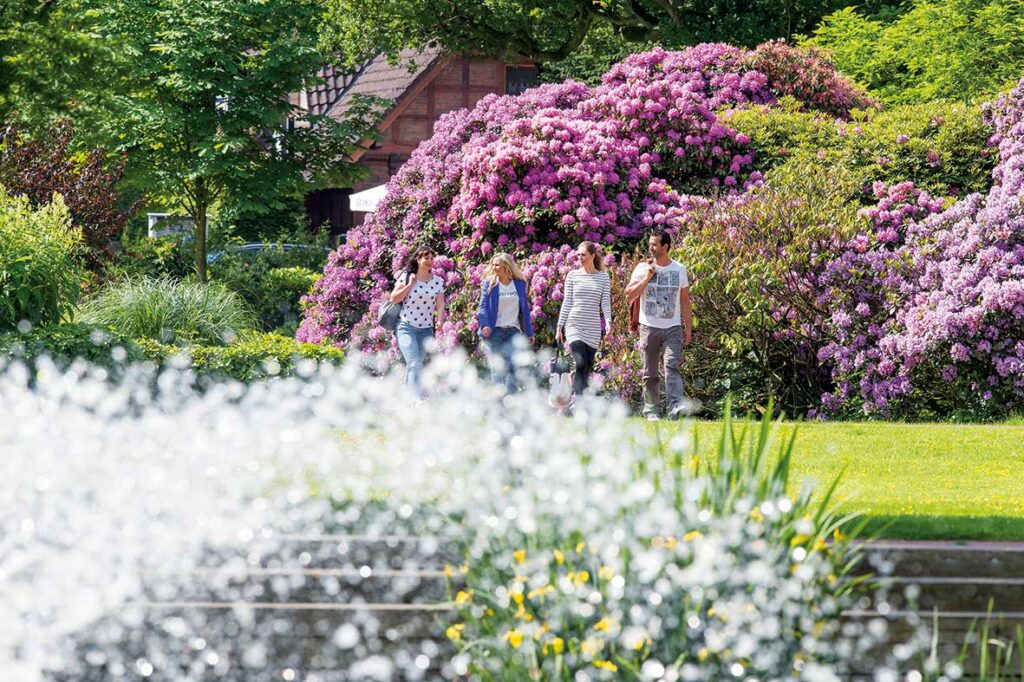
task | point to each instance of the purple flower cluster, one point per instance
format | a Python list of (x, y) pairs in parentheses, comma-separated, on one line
[(937, 296), (535, 173)]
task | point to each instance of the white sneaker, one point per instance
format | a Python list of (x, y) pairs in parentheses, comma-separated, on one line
[(651, 417)]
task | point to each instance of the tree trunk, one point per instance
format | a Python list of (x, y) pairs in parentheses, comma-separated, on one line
[(201, 204)]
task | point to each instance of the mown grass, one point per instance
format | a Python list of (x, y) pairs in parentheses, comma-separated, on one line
[(913, 481)]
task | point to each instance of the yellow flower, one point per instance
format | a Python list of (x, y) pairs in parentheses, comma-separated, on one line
[(640, 643), (559, 557), (670, 543), (606, 665), (541, 592), (540, 632), (514, 638), (819, 545), (580, 546), (838, 535), (555, 646), (591, 645), (517, 597), (605, 573), (464, 569), (463, 597), (455, 632), (519, 555), (603, 624), (799, 539), (448, 571), (692, 535), (702, 655), (756, 515), (578, 577)]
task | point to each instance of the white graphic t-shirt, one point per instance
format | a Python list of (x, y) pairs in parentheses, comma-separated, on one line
[(659, 304), (418, 306), (508, 306)]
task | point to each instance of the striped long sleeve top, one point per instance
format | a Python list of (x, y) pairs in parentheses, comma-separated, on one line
[(585, 299)]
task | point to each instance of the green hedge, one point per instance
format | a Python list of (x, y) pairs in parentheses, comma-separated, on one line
[(253, 356), (65, 342)]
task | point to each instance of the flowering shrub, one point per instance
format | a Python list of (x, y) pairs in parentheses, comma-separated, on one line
[(536, 173), (947, 332), (809, 76), (754, 260), (942, 148)]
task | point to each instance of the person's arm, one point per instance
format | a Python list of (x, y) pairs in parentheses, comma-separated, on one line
[(524, 312), (635, 289), (606, 305), (401, 291), (684, 306), (563, 314), (439, 309), (481, 312)]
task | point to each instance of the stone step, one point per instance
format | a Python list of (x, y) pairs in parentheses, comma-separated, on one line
[(347, 585), (936, 559)]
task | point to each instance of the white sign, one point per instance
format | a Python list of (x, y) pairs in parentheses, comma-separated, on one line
[(162, 224), (367, 200)]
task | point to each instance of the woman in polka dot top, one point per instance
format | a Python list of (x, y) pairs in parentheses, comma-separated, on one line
[(421, 294)]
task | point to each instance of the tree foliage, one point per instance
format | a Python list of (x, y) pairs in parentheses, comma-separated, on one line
[(957, 50), (195, 93), (86, 180), (551, 30)]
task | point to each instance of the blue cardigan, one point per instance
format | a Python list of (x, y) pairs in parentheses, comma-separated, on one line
[(487, 313)]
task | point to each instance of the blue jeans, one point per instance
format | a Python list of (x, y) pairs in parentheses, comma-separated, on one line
[(412, 343), (501, 358)]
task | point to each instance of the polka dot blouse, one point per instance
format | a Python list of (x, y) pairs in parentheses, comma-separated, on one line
[(418, 306)]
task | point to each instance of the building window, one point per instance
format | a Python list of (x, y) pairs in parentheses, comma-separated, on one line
[(519, 78)]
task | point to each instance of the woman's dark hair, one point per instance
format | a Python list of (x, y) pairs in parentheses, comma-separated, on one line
[(413, 266), (595, 251)]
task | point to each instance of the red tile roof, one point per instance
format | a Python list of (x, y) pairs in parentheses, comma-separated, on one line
[(376, 77)]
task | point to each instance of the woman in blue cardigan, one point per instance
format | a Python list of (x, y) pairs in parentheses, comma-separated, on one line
[(504, 315)]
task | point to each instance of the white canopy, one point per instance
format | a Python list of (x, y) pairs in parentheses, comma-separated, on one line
[(367, 200)]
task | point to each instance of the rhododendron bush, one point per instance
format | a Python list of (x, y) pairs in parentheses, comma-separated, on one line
[(939, 325), (533, 173), (835, 282)]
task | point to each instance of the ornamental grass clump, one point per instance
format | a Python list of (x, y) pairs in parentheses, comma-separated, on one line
[(170, 310), (660, 566)]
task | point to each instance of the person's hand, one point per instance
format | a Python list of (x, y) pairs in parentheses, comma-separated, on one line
[(485, 332), (687, 337), (559, 337), (532, 340), (650, 271)]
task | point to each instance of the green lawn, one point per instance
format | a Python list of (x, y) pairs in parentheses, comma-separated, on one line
[(914, 481)]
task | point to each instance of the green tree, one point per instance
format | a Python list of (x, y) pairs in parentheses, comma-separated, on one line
[(551, 30), (196, 92), (954, 50), (42, 57)]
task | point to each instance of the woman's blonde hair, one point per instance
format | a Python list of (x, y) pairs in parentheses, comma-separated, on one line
[(498, 260)]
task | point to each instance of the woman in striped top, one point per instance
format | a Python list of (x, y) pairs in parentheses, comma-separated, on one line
[(586, 298)]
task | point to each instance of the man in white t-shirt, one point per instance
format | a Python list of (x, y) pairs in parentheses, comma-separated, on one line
[(665, 325)]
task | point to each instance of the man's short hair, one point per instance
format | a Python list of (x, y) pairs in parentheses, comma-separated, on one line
[(663, 237)]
